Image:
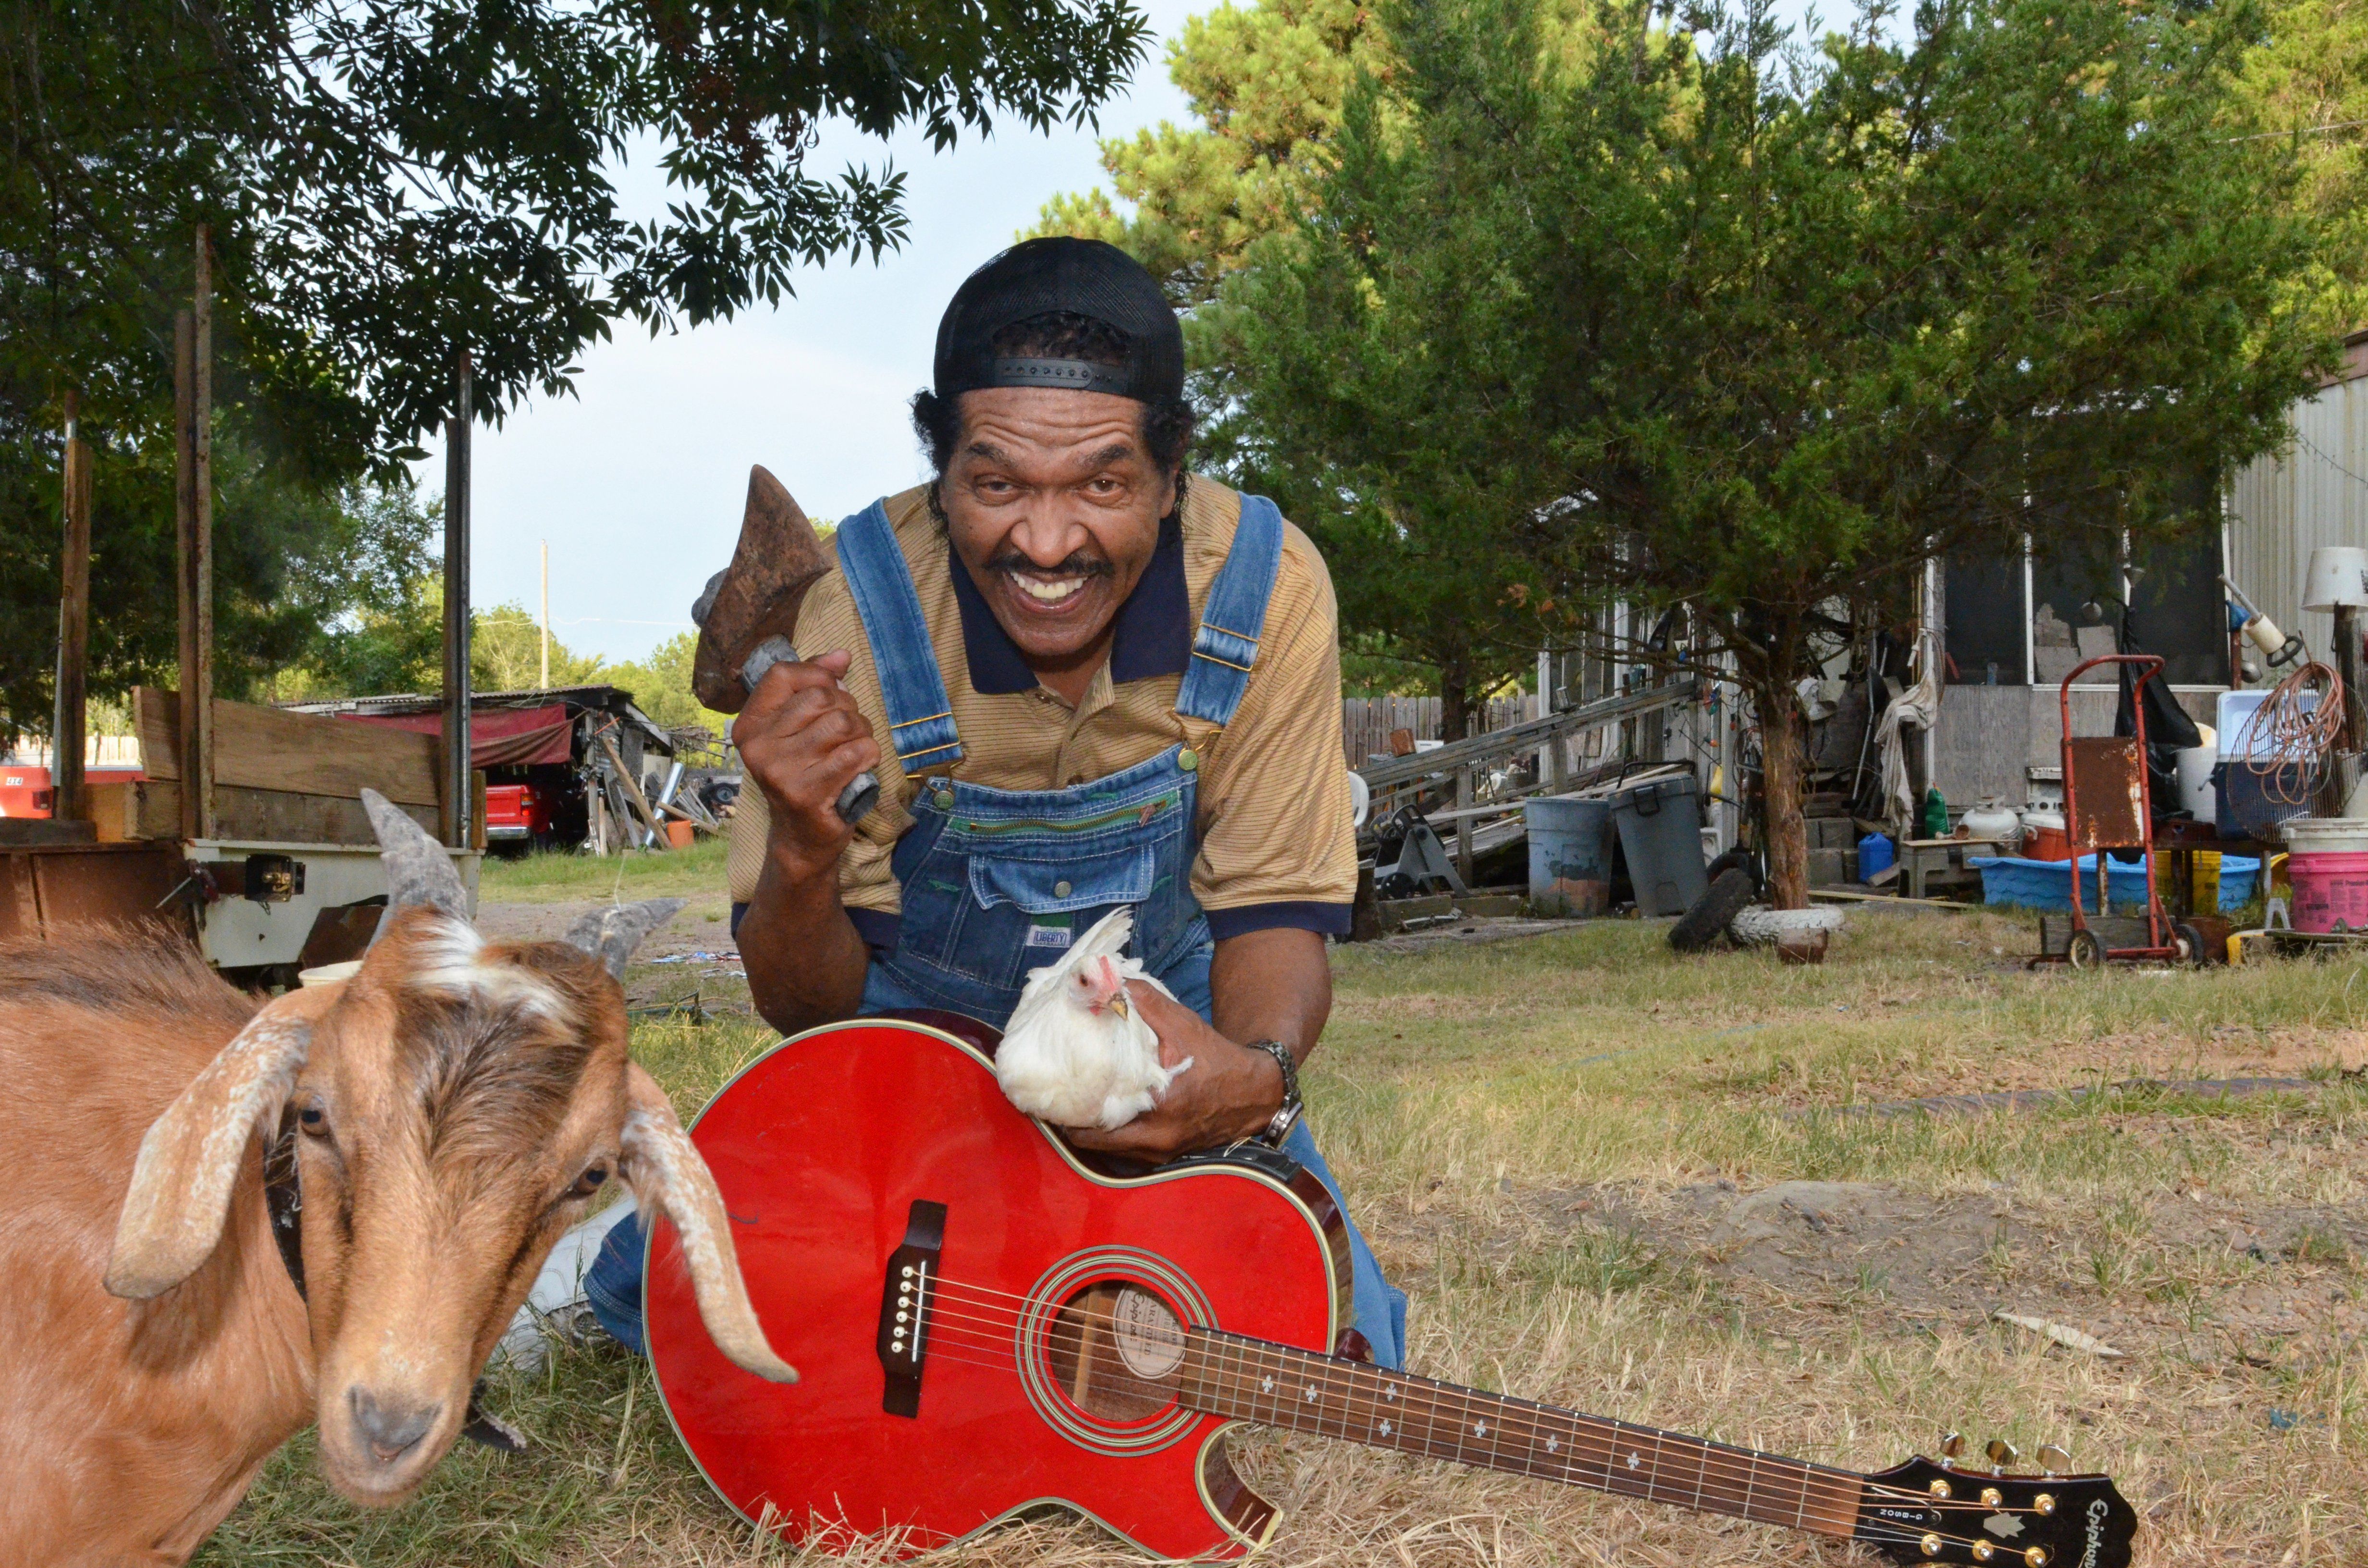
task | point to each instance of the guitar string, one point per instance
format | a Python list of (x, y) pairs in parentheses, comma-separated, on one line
[(1723, 1454), (1718, 1462), (1876, 1531), (1721, 1461)]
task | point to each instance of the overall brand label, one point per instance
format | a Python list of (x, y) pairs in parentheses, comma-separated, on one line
[(1048, 935)]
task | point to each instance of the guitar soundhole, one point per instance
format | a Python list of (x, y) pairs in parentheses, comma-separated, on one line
[(1114, 1348)]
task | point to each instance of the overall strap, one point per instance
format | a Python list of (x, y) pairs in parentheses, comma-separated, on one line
[(1226, 644), (920, 719)]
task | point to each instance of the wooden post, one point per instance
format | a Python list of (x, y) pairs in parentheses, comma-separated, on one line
[(194, 517), (456, 610), (67, 798), (1464, 824)]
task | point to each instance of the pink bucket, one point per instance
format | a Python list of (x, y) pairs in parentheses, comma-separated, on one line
[(2330, 888)]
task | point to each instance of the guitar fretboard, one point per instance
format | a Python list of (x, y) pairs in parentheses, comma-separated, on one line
[(1276, 1385)]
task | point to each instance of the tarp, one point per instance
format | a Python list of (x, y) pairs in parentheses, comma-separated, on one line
[(498, 738)]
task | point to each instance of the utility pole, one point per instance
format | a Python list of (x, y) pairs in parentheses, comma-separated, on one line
[(457, 774), (546, 615), (66, 803), (193, 398)]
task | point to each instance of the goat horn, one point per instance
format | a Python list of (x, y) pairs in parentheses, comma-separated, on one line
[(418, 869), (613, 935), (664, 1169), (190, 1158)]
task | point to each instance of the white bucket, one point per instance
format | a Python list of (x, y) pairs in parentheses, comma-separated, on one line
[(2326, 836), (2195, 765)]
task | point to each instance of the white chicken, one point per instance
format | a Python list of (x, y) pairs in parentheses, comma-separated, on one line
[(1075, 1053)]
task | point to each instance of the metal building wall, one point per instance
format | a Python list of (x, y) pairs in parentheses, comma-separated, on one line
[(2282, 508)]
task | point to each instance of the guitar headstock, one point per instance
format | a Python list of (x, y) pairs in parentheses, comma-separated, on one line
[(1933, 1511)]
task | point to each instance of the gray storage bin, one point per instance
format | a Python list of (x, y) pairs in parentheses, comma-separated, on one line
[(1660, 837)]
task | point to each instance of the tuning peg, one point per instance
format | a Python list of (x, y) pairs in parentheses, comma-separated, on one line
[(2003, 1453), (1952, 1445), (2054, 1458)]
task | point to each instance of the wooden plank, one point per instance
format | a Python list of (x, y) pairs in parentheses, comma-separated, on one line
[(105, 887), (306, 754), (150, 810), (20, 909)]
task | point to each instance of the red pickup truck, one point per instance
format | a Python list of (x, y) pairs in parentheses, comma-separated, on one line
[(26, 792), (520, 814)]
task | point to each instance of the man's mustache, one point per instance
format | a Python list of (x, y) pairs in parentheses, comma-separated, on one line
[(1078, 564)]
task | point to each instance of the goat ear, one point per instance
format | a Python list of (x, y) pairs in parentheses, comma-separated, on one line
[(418, 869), (189, 1159), (613, 935), (663, 1167)]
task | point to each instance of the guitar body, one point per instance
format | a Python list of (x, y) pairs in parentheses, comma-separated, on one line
[(822, 1149)]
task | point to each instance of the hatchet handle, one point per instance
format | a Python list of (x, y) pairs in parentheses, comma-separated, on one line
[(862, 793)]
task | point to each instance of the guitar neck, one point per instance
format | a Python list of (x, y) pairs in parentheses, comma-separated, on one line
[(1276, 1385)]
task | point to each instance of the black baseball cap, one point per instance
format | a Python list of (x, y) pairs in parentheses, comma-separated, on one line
[(1085, 278)]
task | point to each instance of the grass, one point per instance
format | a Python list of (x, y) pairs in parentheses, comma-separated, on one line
[(1544, 1140), (559, 875)]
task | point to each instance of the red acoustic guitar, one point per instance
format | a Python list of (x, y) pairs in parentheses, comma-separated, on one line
[(984, 1325)]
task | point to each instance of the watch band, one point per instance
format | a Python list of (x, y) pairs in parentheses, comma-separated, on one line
[(1286, 1115)]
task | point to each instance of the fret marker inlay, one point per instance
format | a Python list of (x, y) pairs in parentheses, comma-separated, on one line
[(1479, 1428), (1387, 1428), (1311, 1393), (1553, 1443), (1635, 1459)]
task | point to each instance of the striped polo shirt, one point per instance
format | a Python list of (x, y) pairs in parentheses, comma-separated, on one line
[(1276, 844)]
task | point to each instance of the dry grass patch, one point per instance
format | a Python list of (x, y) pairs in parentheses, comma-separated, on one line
[(1573, 1152)]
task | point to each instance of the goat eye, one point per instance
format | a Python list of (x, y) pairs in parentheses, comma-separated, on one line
[(313, 1119), (589, 1181)]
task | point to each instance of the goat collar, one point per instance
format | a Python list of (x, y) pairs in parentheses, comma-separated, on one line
[(283, 1200)]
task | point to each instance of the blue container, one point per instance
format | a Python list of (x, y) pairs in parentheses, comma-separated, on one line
[(1570, 856), (2250, 805), (2047, 884), (1875, 854)]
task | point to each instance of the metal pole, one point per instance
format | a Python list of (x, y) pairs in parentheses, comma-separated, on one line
[(194, 520), (74, 628), (457, 793), (546, 684)]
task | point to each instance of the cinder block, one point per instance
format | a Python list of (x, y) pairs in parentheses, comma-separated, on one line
[(1829, 867), (1832, 833)]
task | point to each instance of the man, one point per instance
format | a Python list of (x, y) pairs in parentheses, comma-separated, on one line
[(1085, 681)]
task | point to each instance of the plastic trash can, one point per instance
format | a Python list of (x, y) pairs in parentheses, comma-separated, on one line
[(1570, 856), (1660, 837)]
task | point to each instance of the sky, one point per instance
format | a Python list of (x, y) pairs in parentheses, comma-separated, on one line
[(639, 479)]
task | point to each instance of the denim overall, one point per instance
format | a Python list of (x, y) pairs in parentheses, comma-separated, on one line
[(996, 883)]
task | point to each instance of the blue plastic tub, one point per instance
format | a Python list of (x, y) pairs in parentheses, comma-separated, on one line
[(2047, 884)]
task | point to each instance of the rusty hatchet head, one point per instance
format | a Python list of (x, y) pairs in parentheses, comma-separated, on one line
[(757, 596)]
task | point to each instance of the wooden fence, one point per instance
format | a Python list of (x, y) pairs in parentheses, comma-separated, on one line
[(1366, 722)]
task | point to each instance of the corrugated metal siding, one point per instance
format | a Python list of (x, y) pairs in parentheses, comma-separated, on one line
[(2279, 509)]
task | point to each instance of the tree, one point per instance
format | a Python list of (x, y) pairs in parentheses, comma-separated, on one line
[(1267, 83), (661, 684), (1702, 320), (2308, 79), (387, 182)]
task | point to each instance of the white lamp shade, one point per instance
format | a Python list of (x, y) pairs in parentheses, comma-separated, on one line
[(2337, 578)]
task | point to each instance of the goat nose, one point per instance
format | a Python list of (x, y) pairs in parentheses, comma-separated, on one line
[(390, 1429)]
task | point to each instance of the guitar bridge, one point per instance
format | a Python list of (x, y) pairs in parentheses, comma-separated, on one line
[(907, 1300)]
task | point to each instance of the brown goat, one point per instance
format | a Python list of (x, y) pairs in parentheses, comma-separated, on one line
[(459, 1104)]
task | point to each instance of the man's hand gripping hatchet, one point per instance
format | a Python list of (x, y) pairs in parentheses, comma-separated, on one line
[(749, 609)]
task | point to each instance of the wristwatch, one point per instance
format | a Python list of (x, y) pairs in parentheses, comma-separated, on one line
[(1286, 1115)]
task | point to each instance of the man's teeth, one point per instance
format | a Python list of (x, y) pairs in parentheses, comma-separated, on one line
[(1048, 593)]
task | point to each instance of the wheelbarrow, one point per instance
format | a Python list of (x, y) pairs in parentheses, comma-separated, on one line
[(2109, 804)]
